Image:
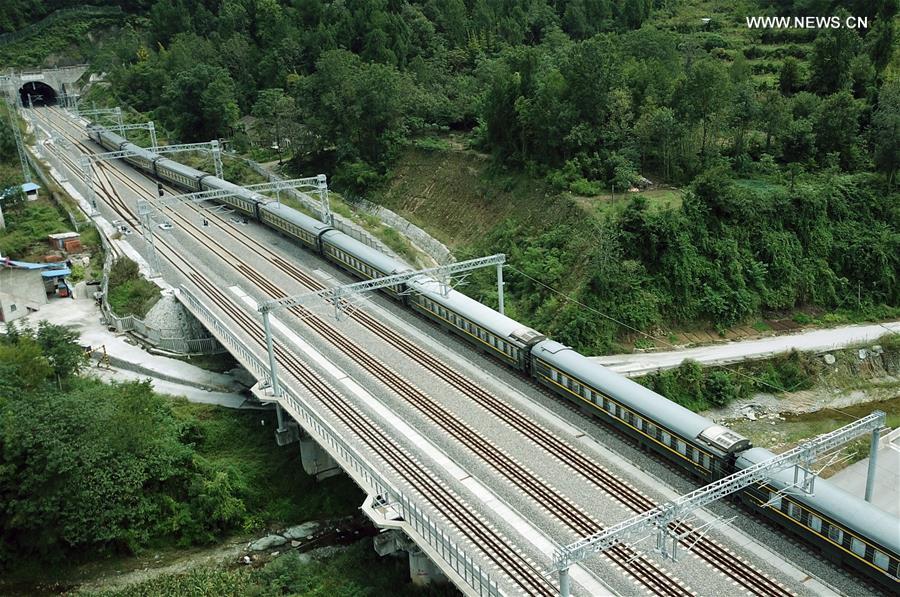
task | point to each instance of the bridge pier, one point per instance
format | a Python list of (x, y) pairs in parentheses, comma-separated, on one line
[(316, 461), (422, 571)]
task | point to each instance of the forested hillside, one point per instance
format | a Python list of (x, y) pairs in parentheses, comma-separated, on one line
[(782, 143)]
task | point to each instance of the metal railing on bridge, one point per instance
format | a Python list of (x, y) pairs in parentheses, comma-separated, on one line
[(475, 577)]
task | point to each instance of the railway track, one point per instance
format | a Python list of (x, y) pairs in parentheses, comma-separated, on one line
[(452, 506), (646, 572)]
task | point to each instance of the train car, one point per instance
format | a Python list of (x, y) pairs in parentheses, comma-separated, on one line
[(141, 158), (93, 131), (108, 139), (693, 442), (247, 202), (362, 260), (179, 174), (490, 332), (297, 225), (845, 528)]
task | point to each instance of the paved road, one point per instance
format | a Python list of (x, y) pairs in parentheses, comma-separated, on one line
[(733, 352)]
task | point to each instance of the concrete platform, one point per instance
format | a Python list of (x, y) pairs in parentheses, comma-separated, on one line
[(886, 494)]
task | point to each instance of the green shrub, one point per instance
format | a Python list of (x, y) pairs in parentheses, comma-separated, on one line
[(585, 187), (129, 293), (397, 243), (432, 144)]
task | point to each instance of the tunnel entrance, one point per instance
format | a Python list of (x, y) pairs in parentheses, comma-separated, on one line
[(41, 94)]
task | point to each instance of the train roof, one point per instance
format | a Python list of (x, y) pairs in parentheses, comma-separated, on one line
[(213, 182), (845, 508), (142, 152), (482, 315), (630, 393), (373, 257), (295, 217), (180, 168), (114, 138)]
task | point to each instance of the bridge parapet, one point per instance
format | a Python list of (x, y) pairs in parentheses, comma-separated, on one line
[(434, 540)]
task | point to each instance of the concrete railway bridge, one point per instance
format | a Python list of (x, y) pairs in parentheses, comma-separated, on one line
[(447, 533)]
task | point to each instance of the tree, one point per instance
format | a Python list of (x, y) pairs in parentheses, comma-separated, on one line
[(168, 18), (789, 80), (886, 131), (23, 366), (357, 106), (837, 124), (60, 347), (833, 51), (278, 115), (775, 116), (704, 97), (201, 101), (657, 131)]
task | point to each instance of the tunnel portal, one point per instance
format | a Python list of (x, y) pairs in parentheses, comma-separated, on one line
[(40, 93)]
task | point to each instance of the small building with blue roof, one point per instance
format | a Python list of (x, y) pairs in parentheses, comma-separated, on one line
[(24, 286)]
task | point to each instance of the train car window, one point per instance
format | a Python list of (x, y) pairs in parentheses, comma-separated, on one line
[(706, 462), (680, 446), (881, 560), (666, 438), (775, 501), (815, 523), (793, 510), (835, 534), (858, 547)]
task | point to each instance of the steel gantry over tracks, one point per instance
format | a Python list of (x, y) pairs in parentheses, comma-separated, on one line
[(114, 112), (318, 183), (141, 126), (88, 159), (146, 210), (663, 519), (338, 294)]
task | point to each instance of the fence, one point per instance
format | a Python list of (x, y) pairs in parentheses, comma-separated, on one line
[(158, 336), (456, 558), (435, 248)]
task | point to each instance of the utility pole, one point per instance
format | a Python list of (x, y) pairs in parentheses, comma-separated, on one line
[(20, 143)]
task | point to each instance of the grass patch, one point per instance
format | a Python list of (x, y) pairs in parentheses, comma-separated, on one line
[(27, 227), (761, 326), (431, 144)]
